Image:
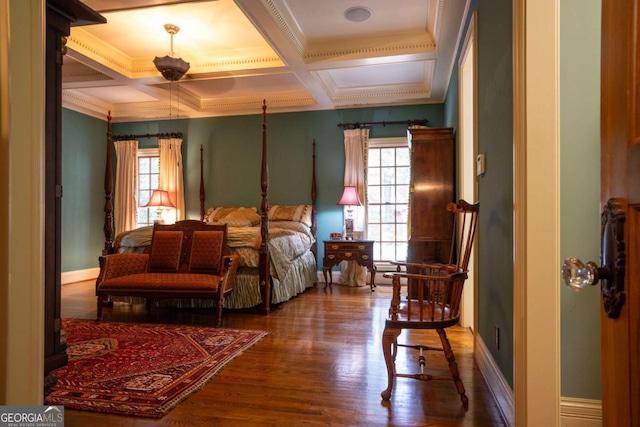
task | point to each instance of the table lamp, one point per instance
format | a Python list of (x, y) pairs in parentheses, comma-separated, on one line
[(349, 199), (161, 200)]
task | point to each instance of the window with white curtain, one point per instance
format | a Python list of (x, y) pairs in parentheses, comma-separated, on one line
[(148, 180), (388, 178)]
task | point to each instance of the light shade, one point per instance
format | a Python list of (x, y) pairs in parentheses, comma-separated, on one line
[(160, 199), (350, 197), (171, 68)]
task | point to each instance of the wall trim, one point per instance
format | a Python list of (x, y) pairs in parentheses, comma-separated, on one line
[(576, 412), (498, 385), (68, 277)]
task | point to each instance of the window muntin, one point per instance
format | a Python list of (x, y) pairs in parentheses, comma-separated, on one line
[(388, 178), (148, 180)]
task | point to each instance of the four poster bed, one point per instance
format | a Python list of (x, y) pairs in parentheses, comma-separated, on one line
[(276, 247)]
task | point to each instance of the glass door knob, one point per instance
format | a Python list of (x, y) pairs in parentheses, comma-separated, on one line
[(613, 261), (577, 275)]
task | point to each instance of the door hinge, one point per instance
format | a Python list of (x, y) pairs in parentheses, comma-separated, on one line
[(58, 190)]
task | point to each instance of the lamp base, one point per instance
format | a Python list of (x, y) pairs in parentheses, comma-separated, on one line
[(348, 229), (159, 219)]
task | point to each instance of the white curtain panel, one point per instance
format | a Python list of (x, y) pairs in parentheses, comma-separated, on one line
[(171, 178), (126, 188), (356, 145)]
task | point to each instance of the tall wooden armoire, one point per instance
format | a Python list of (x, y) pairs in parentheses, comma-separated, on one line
[(432, 187), (61, 15)]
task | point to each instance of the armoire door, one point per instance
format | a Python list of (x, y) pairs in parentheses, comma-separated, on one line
[(431, 188)]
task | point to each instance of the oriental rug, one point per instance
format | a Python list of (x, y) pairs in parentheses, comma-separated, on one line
[(141, 370)]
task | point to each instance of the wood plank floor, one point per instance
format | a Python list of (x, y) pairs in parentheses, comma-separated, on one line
[(321, 365)]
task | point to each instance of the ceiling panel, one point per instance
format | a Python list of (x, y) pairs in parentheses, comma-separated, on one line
[(300, 54), (377, 75)]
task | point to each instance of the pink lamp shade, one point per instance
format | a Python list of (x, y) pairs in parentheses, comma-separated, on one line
[(160, 199), (350, 197)]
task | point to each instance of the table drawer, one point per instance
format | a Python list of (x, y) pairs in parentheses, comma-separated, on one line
[(353, 247), (347, 255)]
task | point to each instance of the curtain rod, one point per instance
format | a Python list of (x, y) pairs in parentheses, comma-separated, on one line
[(147, 135), (355, 125)]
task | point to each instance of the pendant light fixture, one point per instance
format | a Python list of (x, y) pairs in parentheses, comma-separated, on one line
[(171, 66)]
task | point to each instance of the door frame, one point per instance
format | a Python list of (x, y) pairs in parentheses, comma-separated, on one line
[(536, 213), (24, 381), (467, 152)]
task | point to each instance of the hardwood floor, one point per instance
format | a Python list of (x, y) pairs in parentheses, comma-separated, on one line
[(322, 364)]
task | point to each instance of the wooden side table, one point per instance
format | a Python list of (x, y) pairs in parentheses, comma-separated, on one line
[(360, 251)]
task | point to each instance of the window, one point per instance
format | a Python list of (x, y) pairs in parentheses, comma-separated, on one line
[(148, 180), (388, 178)]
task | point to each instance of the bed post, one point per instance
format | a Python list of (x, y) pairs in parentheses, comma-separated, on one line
[(108, 194), (201, 186), (314, 207), (263, 267)]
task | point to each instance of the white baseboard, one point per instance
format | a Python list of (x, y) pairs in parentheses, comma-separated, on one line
[(80, 275), (580, 412), (498, 385)]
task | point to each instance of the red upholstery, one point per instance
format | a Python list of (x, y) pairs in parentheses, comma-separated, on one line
[(165, 251), (174, 282), (124, 264), (206, 251)]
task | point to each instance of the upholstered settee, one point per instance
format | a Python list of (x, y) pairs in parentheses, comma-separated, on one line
[(188, 259)]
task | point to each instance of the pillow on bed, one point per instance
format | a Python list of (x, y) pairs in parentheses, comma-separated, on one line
[(216, 214), (221, 212), (299, 213), (250, 214), (234, 222)]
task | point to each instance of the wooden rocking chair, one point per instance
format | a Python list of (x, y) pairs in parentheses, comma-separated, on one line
[(432, 301)]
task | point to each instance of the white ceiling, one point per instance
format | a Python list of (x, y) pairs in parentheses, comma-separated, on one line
[(298, 55)]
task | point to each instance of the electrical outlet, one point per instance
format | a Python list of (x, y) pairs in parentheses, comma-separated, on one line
[(496, 336)]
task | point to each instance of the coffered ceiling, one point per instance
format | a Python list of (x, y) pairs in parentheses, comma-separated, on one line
[(299, 55)]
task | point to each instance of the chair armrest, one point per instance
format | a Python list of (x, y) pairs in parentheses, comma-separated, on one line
[(417, 265), (117, 265), (416, 268), (440, 274), (431, 288), (228, 274)]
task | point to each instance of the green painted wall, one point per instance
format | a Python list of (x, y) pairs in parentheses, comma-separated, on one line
[(495, 187), (83, 158), (580, 191), (232, 158)]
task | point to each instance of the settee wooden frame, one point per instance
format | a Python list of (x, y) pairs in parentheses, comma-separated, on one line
[(133, 270)]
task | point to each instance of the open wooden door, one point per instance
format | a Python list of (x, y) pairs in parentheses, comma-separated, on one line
[(619, 270), (620, 158)]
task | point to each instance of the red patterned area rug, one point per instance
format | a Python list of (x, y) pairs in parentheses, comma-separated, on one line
[(141, 370)]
